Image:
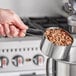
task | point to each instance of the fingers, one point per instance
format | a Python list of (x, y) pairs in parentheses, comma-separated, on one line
[(7, 30), (14, 31), (18, 23), (10, 24), (11, 31), (2, 32)]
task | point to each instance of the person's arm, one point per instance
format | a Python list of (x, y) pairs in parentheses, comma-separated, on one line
[(11, 25)]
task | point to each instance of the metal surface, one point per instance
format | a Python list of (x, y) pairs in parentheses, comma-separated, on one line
[(72, 55), (65, 68), (26, 48), (72, 17), (53, 51), (73, 2), (72, 23), (22, 74)]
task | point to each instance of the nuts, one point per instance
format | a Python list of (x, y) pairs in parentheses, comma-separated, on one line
[(58, 36)]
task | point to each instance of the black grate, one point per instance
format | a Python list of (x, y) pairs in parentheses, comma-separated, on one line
[(38, 25)]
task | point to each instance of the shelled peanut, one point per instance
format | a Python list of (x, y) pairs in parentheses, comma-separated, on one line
[(58, 37)]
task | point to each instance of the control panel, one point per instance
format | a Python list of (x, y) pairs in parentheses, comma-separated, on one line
[(21, 54)]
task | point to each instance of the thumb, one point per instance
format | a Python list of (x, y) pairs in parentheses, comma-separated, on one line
[(19, 24)]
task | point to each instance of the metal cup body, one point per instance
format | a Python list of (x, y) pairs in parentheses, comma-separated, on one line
[(54, 51)]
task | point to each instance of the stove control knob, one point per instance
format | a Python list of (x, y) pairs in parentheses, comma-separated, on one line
[(38, 60), (17, 61), (3, 62)]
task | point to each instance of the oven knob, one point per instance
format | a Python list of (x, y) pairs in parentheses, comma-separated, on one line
[(17, 61), (38, 60), (3, 62)]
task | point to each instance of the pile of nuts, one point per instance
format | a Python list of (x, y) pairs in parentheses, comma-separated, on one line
[(58, 37)]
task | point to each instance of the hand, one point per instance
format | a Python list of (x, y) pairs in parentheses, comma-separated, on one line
[(11, 25)]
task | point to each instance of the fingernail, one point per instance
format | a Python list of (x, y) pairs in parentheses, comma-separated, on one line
[(27, 27), (22, 35)]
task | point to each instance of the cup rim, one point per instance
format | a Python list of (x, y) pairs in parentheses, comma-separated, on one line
[(63, 30)]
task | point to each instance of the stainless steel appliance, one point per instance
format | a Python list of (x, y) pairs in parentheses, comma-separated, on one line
[(22, 56)]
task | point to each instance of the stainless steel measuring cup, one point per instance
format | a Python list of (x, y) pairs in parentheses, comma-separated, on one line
[(54, 51)]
